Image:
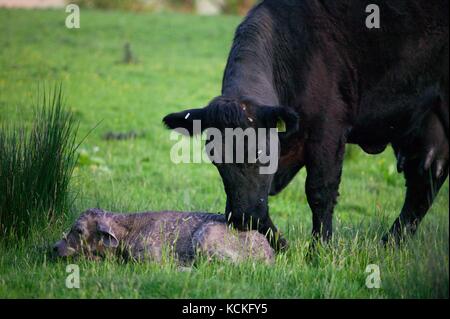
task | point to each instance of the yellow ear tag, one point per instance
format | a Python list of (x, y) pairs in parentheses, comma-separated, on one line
[(281, 126)]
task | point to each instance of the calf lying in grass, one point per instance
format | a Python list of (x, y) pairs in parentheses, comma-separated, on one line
[(147, 236)]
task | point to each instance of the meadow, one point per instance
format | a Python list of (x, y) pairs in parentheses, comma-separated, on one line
[(178, 63)]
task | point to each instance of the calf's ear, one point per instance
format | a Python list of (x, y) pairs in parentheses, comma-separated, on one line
[(183, 121), (107, 235)]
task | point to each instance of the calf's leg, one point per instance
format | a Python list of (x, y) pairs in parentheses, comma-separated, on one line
[(216, 241)]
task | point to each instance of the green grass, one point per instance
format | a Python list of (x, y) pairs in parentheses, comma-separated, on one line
[(36, 166), (181, 59)]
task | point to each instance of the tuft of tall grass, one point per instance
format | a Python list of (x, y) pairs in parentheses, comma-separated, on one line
[(36, 164)]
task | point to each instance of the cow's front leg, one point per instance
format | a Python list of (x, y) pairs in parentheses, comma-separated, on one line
[(274, 235), (324, 158), (264, 225)]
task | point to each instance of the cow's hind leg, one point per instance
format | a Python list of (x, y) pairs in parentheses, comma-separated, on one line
[(422, 188)]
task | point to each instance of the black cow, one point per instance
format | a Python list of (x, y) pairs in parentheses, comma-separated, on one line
[(316, 65)]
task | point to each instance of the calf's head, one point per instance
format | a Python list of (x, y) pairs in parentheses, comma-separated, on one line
[(94, 233), (242, 142)]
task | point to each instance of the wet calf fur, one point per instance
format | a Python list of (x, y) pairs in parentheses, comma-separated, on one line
[(153, 235)]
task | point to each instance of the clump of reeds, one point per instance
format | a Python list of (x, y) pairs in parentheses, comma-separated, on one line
[(36, 165)]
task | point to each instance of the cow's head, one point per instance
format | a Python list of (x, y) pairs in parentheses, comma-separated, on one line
[(246, 183)]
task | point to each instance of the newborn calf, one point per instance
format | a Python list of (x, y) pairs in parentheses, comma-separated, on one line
[(146, 236)]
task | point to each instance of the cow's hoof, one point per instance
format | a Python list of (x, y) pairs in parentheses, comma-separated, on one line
[(281, 245), (384, 240), (392, 239), (311, 256)]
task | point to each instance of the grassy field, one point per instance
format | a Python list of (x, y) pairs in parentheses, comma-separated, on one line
[(180, 64)]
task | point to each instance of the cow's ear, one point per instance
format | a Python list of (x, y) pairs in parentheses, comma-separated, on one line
[(285, 119), (292, 121), (183, 122)]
